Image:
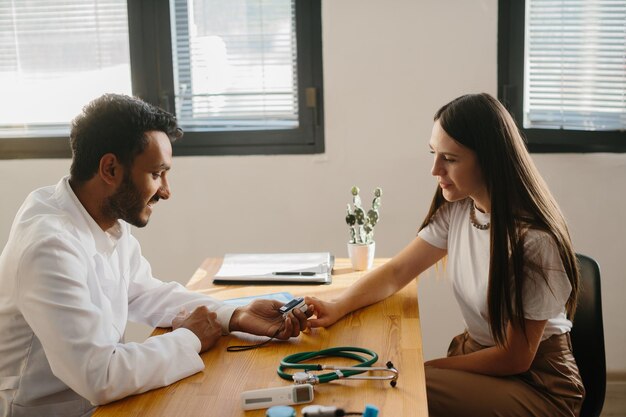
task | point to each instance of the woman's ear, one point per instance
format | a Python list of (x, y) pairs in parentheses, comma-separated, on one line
[(110, 170)]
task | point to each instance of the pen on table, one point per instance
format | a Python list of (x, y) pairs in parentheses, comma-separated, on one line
[(299, 273)]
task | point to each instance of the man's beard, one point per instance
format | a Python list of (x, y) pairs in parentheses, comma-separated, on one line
[(126, 204)]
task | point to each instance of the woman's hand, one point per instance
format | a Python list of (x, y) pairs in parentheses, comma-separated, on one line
[(261, 317), (326, 312)]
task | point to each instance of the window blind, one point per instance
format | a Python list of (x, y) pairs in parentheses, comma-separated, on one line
[(235, 64), (575, 65), (55, 57)]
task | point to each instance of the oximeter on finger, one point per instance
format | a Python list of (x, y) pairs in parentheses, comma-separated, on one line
[(297, 302)]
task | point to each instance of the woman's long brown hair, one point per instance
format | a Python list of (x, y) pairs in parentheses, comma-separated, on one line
[(520, 200)]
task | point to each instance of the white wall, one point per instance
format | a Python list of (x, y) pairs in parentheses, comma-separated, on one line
[(388, 65)]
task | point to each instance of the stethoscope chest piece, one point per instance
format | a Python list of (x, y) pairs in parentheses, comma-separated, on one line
[(305, 378)]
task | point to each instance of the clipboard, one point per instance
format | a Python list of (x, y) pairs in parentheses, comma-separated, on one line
[(272, 268)]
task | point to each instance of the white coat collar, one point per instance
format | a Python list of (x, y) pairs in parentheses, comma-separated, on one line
[(98, 240)]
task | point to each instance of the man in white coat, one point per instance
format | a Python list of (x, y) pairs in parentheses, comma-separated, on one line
[(71, 275)]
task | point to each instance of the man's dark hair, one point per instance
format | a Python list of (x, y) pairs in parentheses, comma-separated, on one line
[(115, 123)]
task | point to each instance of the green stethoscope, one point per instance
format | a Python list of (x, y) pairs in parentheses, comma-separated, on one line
[(350, 372)]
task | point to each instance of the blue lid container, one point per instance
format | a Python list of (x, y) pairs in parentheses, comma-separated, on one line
[(280, 411)]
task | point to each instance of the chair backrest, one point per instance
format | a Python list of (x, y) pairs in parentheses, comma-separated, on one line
[(588, 337)]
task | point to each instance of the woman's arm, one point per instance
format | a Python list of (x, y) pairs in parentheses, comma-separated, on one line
[(378, 284), (514, 358)]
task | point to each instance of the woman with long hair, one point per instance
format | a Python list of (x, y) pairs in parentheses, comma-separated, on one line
[(512, 266)]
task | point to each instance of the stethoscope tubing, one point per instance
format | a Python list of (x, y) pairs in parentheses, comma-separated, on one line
[(350, 352)]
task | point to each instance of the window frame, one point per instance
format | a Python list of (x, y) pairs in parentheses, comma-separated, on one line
[(152, 80), (511, 25)]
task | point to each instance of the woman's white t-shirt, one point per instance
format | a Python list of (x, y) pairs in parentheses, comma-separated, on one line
[(468, 268)]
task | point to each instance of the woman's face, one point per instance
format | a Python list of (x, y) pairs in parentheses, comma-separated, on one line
[(457, 170)]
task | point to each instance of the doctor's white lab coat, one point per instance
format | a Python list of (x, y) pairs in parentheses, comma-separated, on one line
[(67, 290)]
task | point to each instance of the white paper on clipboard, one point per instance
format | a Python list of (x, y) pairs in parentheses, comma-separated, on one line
[(302, 268)]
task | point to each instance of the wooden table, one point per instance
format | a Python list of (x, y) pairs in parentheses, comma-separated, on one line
[(391, 328)]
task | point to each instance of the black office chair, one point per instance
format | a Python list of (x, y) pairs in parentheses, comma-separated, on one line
[(588, 337)]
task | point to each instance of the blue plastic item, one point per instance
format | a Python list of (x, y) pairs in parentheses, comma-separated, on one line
[(281, 411), (370, 411)]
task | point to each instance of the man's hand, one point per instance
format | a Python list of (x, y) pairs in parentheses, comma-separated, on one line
[(261, 317), (203, 323)]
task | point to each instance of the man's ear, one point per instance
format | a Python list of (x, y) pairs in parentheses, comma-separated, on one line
[(110, 169)]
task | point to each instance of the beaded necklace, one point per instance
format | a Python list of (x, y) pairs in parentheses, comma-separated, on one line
[(473, 220)]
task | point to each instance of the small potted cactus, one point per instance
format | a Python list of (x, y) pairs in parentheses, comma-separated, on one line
[(361, 245)]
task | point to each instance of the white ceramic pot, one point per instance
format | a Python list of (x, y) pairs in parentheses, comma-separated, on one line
[(361, 255)]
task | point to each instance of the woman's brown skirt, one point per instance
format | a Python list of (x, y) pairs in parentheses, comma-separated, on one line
[(552, 386)]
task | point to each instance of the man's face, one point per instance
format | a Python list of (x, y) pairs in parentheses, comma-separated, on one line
[(144, 184)]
